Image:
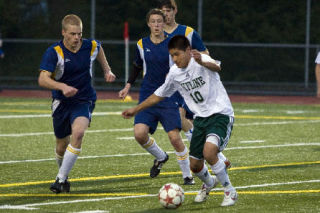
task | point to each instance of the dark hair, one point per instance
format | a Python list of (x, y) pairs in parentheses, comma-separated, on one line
[(167, 3), (155, 11), (179, 42)]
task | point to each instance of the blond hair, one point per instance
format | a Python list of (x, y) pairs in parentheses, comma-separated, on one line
[(72, 20)]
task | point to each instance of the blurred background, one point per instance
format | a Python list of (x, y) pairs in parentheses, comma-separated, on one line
[(267, 47)]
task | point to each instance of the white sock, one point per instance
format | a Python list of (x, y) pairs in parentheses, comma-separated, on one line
[(69, 159), (221, 156), (152, 147), (205, 176), (188, 134), (220, 171), (59, 160), (184, 162)]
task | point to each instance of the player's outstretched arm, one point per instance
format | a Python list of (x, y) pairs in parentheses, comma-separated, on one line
[(108, 75), (46, 81), (150, 101)]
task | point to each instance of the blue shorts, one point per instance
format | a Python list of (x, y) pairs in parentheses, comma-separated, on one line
[(64, 114), (168, 117), (178, 99)]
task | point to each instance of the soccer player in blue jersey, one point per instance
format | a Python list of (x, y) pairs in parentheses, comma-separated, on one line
[(152, 56), (66, 69), (172, 28), (169, 7)]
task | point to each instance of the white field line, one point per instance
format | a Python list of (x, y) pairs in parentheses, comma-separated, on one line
[(289, 112), (131, 129), (51, 133), (169, 152), (49, 115), (276, 123), (34, 205), (94, 211), (253, 141), (275, 146), (125, 138)]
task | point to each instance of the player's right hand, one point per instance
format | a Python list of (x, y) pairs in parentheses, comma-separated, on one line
[(128, 113), (69, 91)]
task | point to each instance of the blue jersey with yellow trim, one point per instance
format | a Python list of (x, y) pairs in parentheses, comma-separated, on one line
[(155, 60), (73, 69), (191, 34)]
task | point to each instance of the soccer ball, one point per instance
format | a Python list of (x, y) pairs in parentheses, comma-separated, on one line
[(171, 196)]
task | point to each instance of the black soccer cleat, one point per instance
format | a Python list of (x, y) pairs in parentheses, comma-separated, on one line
[(188, 181), (58, 187), (157, 165)]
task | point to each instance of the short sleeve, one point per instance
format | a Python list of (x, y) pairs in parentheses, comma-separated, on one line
[(206, 58), (49, 60), (138, 59), (317, 61), (196, 42), (167, 88)]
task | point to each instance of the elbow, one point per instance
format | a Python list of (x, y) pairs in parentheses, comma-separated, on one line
[(41, 81)]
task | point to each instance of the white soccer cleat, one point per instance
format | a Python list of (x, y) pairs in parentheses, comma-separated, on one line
[(230, 198), (204, 192)]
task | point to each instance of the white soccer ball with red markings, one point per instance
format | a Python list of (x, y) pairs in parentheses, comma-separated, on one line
[(171, 196)]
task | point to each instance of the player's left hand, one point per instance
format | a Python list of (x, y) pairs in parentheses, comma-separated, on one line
[(129, 113), (109, 77), (197, 56)]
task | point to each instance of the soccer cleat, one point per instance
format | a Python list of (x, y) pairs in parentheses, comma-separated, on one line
[(157, 165), (230, 198), (188, 181), (58, 187), (228, 164), (204, 192)]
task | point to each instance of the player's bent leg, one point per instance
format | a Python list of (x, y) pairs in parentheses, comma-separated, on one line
[(201, 171), (176, 140), (79, 126), (61, 146), (150, 145), (182, 154), (218, 167), (186, 124), (141, 133), (225, 159)]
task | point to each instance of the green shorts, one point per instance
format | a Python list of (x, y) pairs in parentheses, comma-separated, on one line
[(215, 125)]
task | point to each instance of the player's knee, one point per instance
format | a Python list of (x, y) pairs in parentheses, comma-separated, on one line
[(141, 137), (195, 168), (177, 143), (77, 134)]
